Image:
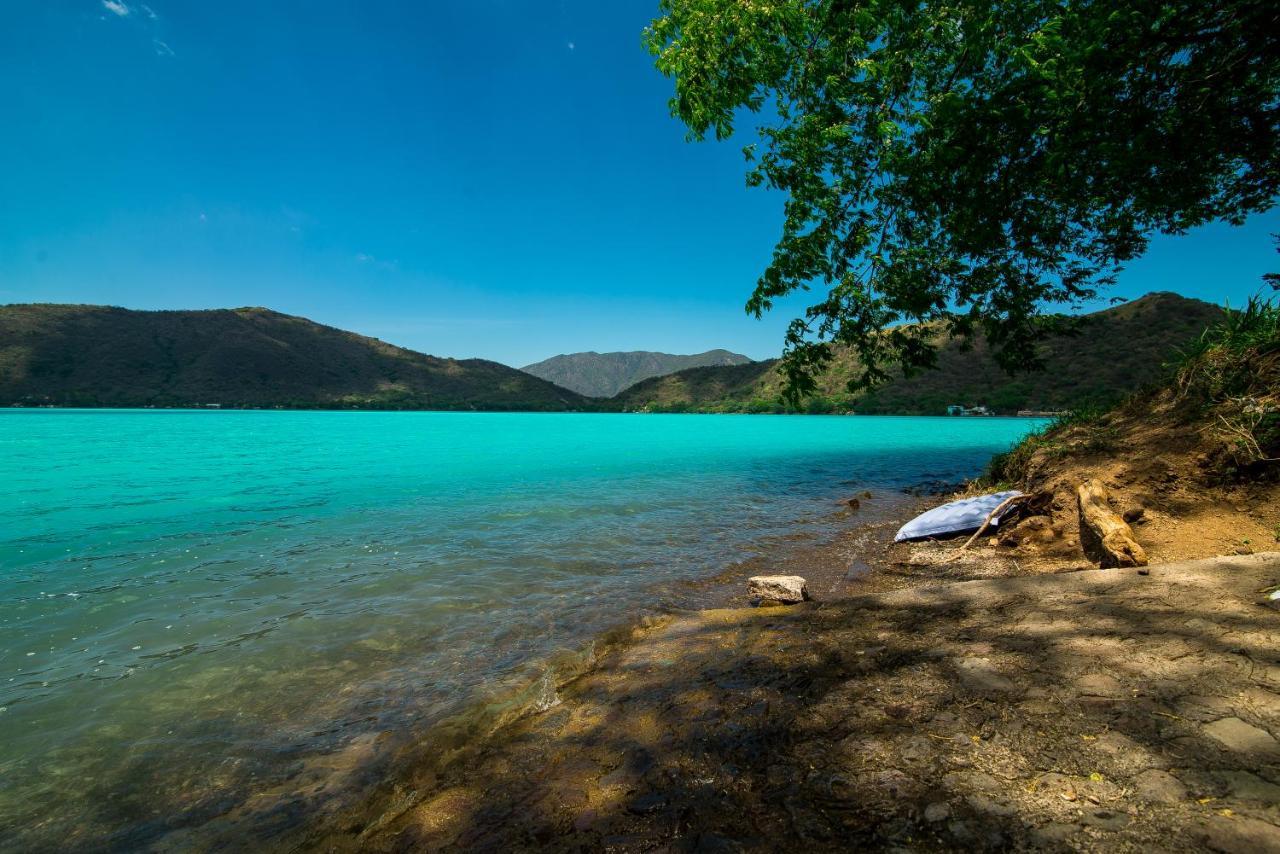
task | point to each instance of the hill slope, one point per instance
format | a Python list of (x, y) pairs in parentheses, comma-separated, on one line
[(68, 355), (606, 374), (1117, 350)]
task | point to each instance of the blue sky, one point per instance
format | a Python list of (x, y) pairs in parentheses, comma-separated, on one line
[(492, 178)]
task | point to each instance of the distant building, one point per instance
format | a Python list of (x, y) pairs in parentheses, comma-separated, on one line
[(956, 409)]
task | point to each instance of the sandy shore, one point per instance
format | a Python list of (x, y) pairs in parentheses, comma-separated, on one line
[(1097, 710)]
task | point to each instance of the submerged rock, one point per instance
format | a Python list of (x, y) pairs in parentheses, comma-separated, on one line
[(779, 589)]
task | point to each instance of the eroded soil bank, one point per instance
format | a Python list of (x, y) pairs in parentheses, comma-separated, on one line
[(1097, 710)]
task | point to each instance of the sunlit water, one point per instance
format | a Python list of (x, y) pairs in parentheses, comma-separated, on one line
[(192, 603)]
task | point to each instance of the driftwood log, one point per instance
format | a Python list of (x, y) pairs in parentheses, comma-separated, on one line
[(1105, 537)]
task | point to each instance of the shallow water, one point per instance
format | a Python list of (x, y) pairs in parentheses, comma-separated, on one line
[(194, 603)]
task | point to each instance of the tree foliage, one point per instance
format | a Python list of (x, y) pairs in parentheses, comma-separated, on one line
[(965, 164)]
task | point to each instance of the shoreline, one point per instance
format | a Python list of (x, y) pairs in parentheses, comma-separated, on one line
[(921, 716), (713, 697), (333, 788), (610, 745), (273, 762), (851, 557)]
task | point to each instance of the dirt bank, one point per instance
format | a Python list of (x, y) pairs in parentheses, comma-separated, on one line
[(1097, 710)]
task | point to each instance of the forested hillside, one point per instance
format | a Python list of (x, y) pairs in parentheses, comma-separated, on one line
[(1114, 352), (68, 355)]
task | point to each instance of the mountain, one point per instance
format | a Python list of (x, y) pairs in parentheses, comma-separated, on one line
[(1116, 351), (606, 374), (75, 355)]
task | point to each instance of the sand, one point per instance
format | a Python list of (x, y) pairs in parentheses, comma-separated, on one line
[(1094, 710)]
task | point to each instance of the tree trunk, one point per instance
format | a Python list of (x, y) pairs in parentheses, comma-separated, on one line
[(1104, 536)]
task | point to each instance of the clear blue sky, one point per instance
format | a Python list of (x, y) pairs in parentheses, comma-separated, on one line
[(495, 178)]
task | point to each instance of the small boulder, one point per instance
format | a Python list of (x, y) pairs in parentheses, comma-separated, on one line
[(1099, 685), (936, 812), (980, 676), (1240, 835), (854, 503), (1159, 787), (777, 589), (1242, 737)]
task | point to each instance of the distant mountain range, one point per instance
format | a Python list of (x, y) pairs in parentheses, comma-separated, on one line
[(1115, 352), (74, 355), (606, 374), (67, 355)]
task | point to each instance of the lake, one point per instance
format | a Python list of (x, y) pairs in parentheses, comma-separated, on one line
[(194, 606)]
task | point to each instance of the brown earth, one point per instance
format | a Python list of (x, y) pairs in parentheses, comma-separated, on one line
[(1164, 469), (1100, 710)]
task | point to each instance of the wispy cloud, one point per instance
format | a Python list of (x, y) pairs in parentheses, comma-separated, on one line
[(373, 261), (143, 20)]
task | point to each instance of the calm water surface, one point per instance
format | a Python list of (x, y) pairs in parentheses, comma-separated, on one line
[(193, 603)]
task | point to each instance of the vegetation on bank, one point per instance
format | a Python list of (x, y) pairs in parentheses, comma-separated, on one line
[(961, 166), (1106, 356), (1225, 387), (97, 356)]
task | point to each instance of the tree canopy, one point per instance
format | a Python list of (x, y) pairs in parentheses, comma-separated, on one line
[(959, 165)]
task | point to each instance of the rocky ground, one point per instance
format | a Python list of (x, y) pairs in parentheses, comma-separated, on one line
[(1095, 711)]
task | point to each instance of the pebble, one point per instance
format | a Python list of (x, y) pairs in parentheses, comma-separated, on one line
[(937, 812)]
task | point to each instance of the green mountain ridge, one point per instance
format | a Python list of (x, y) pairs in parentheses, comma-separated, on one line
[(1115, 351), (67, 355), (75, 355), (603, 375)]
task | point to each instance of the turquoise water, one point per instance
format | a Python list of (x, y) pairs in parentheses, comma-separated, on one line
[(192, 604)]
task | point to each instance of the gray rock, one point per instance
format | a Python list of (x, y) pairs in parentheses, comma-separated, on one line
[(1251, 787), (1099, 685), (1240, 835), (979, 675), (937, 812), (1241, 737), (1159, 787), (984, 804), (783, 589)]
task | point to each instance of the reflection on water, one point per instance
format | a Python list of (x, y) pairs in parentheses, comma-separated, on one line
[(198, 606)]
